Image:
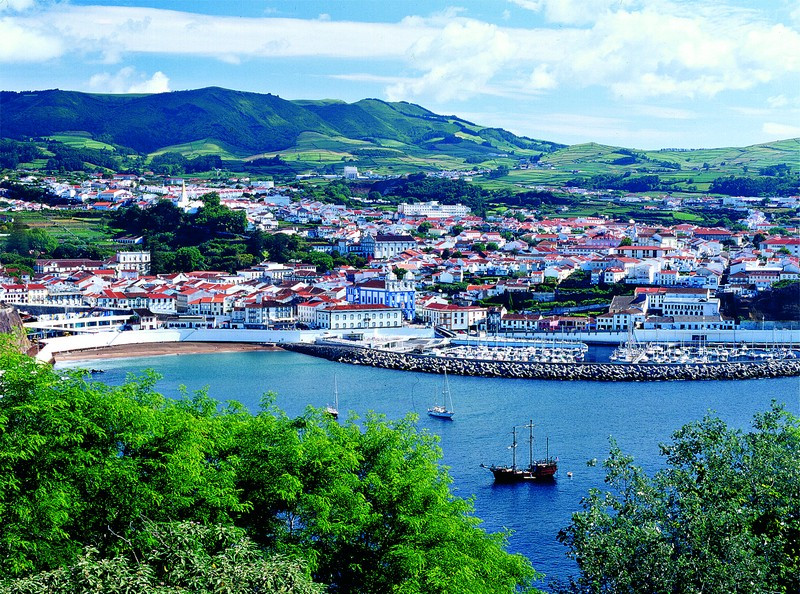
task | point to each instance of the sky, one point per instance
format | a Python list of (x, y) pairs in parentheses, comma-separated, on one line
[(643, 74)]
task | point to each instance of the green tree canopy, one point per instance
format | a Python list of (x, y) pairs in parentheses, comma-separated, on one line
[(724, 516), (365, 506), (175, 557)]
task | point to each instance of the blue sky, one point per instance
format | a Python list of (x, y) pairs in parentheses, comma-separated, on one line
[(635, 73)]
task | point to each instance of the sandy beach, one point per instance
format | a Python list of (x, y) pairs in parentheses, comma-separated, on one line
[(160, 348)]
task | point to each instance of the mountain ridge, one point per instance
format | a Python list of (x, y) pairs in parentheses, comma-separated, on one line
[(250, 122)]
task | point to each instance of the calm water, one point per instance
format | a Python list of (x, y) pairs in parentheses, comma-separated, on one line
[(578, 418)]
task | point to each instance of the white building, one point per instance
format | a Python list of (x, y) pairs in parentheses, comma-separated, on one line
[(137, 261), (381, 247), (453, 317), (339, 317), (432, 210)]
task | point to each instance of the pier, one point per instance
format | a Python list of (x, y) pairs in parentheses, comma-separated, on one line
[(549, 371)]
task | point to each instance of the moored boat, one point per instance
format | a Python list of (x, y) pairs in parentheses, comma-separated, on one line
[(541, 469), (445, 409), (333, 410)]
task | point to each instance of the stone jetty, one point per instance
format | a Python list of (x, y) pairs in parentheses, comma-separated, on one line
[(605, 372)]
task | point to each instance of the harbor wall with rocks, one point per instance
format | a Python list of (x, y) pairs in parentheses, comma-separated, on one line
[(551, 371)]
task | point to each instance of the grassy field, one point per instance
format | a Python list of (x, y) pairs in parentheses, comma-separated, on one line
[(198, 148), (69, 229), (81, 141), (585, 160)]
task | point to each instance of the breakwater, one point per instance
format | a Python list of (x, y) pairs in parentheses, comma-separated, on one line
[(551, 371)]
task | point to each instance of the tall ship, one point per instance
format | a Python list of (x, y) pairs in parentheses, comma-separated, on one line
[(536, 470)]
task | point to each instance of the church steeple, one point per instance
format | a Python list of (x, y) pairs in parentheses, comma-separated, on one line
[(184, 201)]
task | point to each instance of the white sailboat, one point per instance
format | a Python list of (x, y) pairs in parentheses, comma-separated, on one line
[(334, 410), (445, 409)]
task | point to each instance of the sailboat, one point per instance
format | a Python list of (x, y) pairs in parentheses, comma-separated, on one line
[(445, 409), (541, 469), (334, 410)]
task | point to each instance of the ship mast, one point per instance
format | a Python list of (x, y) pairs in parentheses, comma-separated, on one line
[(514, 448), (530, 444)]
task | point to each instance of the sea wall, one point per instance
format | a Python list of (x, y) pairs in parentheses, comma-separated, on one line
[(558, 371)]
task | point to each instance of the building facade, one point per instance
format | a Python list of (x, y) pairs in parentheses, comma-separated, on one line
[(389, 291), (341, 317)]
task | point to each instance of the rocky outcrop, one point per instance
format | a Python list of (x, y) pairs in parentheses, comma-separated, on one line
[(11, 324), (552, 371)]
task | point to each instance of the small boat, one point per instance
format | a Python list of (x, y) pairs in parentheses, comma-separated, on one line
[(334, 410), (445, 409), (542, 469)]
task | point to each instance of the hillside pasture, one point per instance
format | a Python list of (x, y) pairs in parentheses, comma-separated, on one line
[(67, 228), (81, 141)]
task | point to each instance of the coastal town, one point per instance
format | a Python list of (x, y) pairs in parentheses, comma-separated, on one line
[(425, 267)]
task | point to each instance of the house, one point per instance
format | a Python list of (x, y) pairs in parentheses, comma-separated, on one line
[(267, 313), (453, 317), (775, 244), (381, 247), (624, 313)]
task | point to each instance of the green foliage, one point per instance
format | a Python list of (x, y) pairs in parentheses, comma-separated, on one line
[(188, 258), (367, 505), (70, 158), (30, 242), (13, 153), (446, 191), (174, 557), (723, 517), (785, 283), (207, 239), (501, 171), (625, 182), (27, 192), (786, 185)]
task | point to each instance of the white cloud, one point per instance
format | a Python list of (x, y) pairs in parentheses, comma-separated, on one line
[(372, 78), (127, 80), (16, 5), (541, 78), (666, 113), (636, 49), (21, 44), (458, 60), (573, 12), (778, 101), (781, 131)]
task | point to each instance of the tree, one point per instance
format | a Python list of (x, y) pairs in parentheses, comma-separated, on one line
[(724, 516), (188, 259), (501, 171), (323, 261), (626, 241), (175, 557), (424, 227), (366, 503)]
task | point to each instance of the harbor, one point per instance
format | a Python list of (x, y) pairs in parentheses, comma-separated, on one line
[(588, 371)]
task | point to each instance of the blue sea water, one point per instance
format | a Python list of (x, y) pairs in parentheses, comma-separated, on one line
[(577, 417)]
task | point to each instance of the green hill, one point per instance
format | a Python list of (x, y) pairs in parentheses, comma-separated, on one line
[(267, 133), (248, 124)]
